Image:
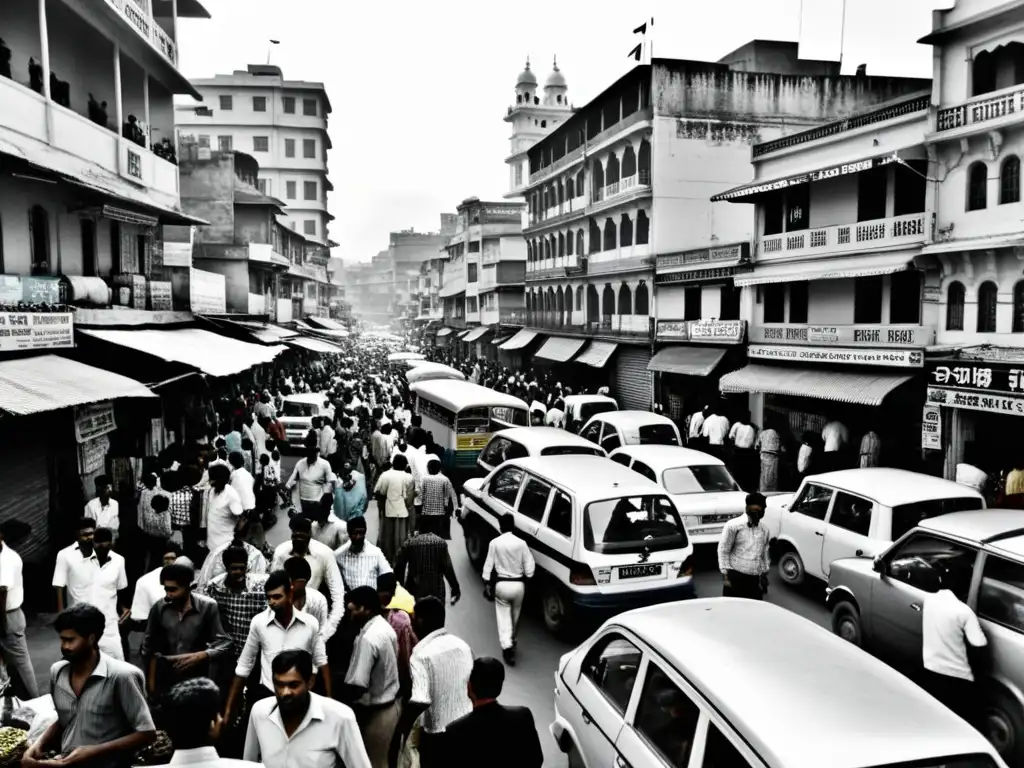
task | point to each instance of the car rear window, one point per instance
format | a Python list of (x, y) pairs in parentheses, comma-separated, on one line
[(702, 478), (632, 524), (907, 516), (592, 409), (658, 434), (294, 408), (572, 450)]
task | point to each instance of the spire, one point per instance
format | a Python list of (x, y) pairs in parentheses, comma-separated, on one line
[(554, 62), (527, 62)]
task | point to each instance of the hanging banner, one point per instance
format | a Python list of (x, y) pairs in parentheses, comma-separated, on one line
[(92, 421), (931, 428), (20, 331)]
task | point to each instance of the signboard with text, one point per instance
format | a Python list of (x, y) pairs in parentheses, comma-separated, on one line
[(21, 331), (94, 420), (931, 428), (703, 331), (977, 401), (207, 293), (897, 358), (873, 336), (977, 375), (702, 258)]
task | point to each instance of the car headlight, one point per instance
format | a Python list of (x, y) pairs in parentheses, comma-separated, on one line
[(691, 520)]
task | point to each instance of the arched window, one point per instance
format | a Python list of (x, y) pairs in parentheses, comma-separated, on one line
[(569, 243), (39, 240), (550, 300), (579, 298), (644, 162), (1018, 307), (625, 300), (544, 200), (568, 298), (610, 239), (569, 194), (628, 162), (579, 183), (561, 193), (593, 305), (625, 231), (1009, 180), (607, 301), (955, 297), (977, 187), (987, 307), (612, 175), (642, 227), (595, 237), (597, 181), (580, 250), (561, 244), (559, 300), (640, 300)]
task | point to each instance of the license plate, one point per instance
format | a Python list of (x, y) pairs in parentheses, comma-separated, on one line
[(715, 518), (638, 571), (710, 531)]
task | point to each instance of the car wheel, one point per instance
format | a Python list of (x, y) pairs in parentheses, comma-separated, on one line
[(1004, 727), (556, 609), (791, 568), (846, 622), (476, 545)]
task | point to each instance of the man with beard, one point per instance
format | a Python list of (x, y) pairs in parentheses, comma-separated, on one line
[(102, 716), (299, 728)]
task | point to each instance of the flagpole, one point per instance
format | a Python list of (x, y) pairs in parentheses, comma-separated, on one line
[(842, 36)]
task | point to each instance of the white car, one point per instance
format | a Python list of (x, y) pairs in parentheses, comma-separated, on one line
[(615, 428), (700, 484), (297, 414), (579, 409), (520, 442)]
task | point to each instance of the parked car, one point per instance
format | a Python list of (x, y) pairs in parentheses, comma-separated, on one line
[(297, 414), (877, 604), (615, 428), (605, 539), (730, 683), (854, 512), (579, 409), (705, 492), (520, 442)]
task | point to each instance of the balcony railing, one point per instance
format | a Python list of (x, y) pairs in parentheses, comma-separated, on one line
[(621, 187), (574, 323), (880, 233), (981, 109), (143, 23)]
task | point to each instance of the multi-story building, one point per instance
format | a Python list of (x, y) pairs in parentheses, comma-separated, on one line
[(283, 124), (427, 289), (618, 199)]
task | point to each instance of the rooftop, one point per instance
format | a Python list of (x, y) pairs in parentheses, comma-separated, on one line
[(262, 76)]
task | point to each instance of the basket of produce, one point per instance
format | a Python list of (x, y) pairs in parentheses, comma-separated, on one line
[(157, 753), (13, 744)]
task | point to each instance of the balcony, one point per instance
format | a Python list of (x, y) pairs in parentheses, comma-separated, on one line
[(608, 192), (574, 324), (987, 112), (142, 21), (573, 207), (500, 316), (264, 253), (897, 231), (560, 266)]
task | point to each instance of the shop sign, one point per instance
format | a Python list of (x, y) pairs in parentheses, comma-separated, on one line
[(703, 257), (703, 331), (92, 421), (695, 275), (822, 174), (160, 296), (677, 330), (977, 375), (92, 455), (931, 428), (976, 401), (874, 336), (207, 293), (897, 358), (21, 331)]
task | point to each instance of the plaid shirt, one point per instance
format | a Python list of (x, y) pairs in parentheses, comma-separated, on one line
[(237, 609), (437, 491), (422, 565), (181, 508)]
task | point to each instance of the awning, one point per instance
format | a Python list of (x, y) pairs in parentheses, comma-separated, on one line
[(463, 334), (598, 353), (314, 345), (687, 361), (502, 339), (47, 383), (477, 333), (340, 333), (833, 268), (326, 323), (821, 174), (208, 352), (443, 331), (520, 340), (264, 332), (837, 386), (559, 349)]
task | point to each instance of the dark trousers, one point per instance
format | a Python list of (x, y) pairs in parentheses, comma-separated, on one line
[(432, 750), (958, 694), (743, 585)]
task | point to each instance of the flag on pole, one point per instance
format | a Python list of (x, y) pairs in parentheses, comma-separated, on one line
[(638, 52)]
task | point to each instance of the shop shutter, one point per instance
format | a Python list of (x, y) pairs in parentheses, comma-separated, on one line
[(26, 497), (632, 380)]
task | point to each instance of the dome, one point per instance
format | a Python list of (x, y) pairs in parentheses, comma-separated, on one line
[(556, 79), (526, 77)]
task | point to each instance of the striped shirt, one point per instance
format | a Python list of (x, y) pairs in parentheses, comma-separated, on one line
[(440, 666), (267, 638), (374, 665), (181, 508), (744, 547), (361, 569)]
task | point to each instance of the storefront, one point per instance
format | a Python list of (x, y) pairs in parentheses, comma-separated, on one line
[(441, 337), (478, 340), (632, 381), (514, 352)]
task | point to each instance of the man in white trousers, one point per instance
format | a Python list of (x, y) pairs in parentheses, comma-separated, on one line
[(508, 567)]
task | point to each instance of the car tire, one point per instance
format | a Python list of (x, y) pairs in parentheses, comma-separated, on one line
[(556, 609), (476, 544), (846, 623), (1003, 726), (791, 567)]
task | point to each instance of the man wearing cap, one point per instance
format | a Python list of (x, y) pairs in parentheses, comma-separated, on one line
[(743, 552)]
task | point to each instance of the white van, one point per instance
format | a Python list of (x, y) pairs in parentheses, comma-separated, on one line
[(297, 414), (579, 409), (605, 539)]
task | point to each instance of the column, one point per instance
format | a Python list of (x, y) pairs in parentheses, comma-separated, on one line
[(118, 105), (44, 45), (145, 109)]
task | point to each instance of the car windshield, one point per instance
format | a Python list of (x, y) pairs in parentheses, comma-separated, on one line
[(701, 478), (907, 516), (572, 450), (632, 524), (658, 434), (296, 409), (592, 409)]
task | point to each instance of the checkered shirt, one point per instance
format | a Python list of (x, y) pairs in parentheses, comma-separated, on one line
[(237, 609), (181, 508), (437, 491)]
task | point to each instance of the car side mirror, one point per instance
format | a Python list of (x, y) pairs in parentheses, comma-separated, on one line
[(878, 565), (859, 553)]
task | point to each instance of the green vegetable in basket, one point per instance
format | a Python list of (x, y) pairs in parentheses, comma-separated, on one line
[(11, 739)]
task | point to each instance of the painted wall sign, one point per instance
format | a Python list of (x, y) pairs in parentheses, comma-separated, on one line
[(703, 331), (21, 331), (977, 375), (874, 336), (931, 428), (976, 401), (160, 296), (896, 358), (207, 293), (703, 257), (92, 455), (94, 420)]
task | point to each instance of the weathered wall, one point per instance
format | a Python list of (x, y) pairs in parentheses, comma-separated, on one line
[(236, 281), (207, 191), (776, 56), (252, 224)]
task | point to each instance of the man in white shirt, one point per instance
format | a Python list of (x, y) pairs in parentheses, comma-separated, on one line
[(193, 724), (104, 509), (555, 417), (508, 567), (243, 482), (696, 424), (13, 646), (836, 437), (743, 552), (301, 729), (328, 445), (92, 573), (715, 430), (314, 479), (322, 566), (394, 492), (224, 516), (149, 590)]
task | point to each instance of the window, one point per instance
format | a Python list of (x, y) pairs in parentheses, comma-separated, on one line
[(867, 300), (699, 478), (472, 273), (260, 144), (591, 432), (225, 143), (905, 298), (775, 303), (473, 246), (289, 105), (798, 293), (729, 303), (911, 185), (798, 208), (227, 103), (471, 304), (657, 434), (505, 485), (1018, 307), (642, 469), (666, 717), (289, 147), (691, 303), (560, 516), (926, 562), (612, 666), (814, 501), (204, 141), (611, 441), (309, 190), (907, 516), (719, 752), (977, 187), (1001, 594), (519, 175), (309, 149), (88, 231), (987, 297), (621, 458), (290, 192), (631, 525), (259, 103), (852, 513), (204, 112), (39, 239), (309, 107), (773, 205), (872, 189), (1009, 180), (534, 501), (263, 185), (956, 294), (309, 227)]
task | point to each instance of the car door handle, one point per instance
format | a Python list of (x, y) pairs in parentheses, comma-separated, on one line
[(915, 607), (586, 717), (819, 533)]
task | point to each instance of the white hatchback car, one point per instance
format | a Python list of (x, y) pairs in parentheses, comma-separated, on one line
[(699, 483), (616, 428), (297, 414), (520, 442)]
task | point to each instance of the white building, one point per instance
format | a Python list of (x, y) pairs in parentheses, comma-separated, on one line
[(283, 124)]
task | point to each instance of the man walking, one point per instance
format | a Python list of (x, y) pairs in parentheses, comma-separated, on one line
[(323, 568), (313, 477), (743, 552), (508, 567), (224, 518), (103, 508), (423, 564), (394, 492), (359, 561), (439, 500), (193, 722), (13, 646), (308, 600)]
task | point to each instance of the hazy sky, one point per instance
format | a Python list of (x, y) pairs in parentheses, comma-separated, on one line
[(419, 89)]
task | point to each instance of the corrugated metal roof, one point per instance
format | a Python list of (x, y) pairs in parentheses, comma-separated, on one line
[(598, 353), (837, 386), (313, 345), (559, 349), (520, 340), (688, 361), (212, 354), (47, 383)]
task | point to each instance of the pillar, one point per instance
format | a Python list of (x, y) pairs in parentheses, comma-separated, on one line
[(44, 45), (118, 105), (145, 108)]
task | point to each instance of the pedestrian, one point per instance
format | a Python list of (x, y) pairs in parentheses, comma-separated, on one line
[(423, 564), (13, 646), (149, 590), (714, 431), (394, 492), (743, 556), (509, 565), (224, 518), (301, 729), (92, 573), (314, 479), (439, 500), (372, 680), (870, 449), (214, 565), (695, 427), (280, 627), (350, 494), (239, 594), (470, 741), (244, 484), (326, 527), (184, 635), (103, 508), (359, 561), (309, 600), (103, 718), (193, 723), (836, 438), (401, 622), (323, 568), (441, 665), (743, 435), (769, 443)]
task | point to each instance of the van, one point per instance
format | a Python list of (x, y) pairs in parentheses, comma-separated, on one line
[(297, 414), (579, 409)]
